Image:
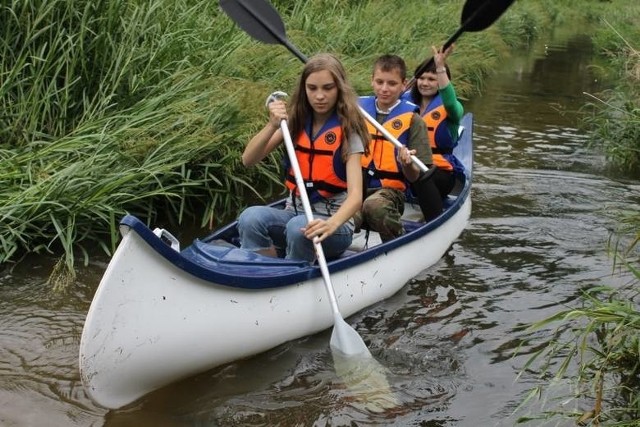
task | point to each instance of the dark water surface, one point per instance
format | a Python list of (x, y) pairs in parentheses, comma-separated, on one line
[(542, 206)]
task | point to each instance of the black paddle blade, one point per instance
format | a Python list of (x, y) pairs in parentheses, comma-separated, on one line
[(478, 15), (257, 18), (260, 20)]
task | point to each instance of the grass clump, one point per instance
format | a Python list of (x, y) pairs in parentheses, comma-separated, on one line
[(602, 339), (110, 107), (613, 117), (114, 107)]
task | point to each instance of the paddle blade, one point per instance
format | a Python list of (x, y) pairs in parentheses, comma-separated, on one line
[(260, 20), (366, 383), (346, 341), (478, 15), (257, 18)]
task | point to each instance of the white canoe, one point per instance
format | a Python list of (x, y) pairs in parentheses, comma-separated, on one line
[(160, 314)]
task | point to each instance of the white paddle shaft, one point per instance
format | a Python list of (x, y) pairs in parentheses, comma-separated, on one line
[(344, 338), (309, 214)]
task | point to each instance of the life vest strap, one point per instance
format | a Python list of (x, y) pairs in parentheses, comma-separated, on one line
[(314, 151), (314, 186), (377, 137)]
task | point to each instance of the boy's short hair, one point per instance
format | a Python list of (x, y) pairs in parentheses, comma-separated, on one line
[(391, 62)]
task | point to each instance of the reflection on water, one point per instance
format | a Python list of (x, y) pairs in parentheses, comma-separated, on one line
[(541, 219), (546, 89)]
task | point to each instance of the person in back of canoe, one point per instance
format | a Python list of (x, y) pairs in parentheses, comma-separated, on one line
[(330, 136), (442, 112), (389, 171)]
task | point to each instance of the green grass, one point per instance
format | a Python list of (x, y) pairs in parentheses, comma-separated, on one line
[(613, 117), (598, 354), (122, 112), (116, 106)]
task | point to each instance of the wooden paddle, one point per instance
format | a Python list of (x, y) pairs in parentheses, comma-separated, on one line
[(343, 338), (477, 15), (260, 20)]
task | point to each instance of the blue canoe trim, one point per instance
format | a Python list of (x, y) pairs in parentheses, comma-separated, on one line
[(230, 266)]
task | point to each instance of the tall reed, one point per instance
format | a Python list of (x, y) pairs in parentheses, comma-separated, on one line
[(111, 107), (613, 117), (596, 352), (115, 106)]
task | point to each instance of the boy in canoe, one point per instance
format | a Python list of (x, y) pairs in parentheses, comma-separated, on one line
[(389, 172)]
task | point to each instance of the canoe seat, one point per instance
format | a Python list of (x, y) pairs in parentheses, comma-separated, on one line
[(210, 255)]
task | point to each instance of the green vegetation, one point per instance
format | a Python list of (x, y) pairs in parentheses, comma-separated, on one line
[(613, 118), (111, 107), (115, 106), (603, 340)]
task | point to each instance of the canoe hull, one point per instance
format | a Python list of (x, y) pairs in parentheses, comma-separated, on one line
[(127, 344)]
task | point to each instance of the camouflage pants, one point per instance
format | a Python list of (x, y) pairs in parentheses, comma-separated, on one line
[(381, 212)]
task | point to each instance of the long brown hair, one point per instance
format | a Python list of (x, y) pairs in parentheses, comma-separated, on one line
[(347, 106)]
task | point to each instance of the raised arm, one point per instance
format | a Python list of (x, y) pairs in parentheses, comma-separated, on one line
[(454, 108)]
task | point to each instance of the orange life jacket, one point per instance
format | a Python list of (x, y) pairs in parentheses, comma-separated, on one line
[(381, 164), (441, 141), (323, 170)]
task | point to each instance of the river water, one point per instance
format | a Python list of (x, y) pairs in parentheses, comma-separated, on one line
[(542, 216)]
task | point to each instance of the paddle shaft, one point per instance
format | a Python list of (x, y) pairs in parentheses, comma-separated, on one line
[(309, 214)]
